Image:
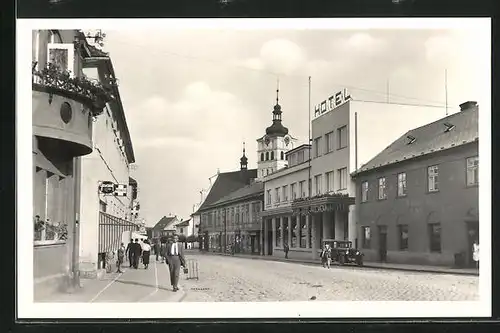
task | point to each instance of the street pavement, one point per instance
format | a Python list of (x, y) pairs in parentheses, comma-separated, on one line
[(233, 279), (141, 285)]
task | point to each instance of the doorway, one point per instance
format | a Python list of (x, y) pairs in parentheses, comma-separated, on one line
[(382, 243), (269, 237), (472, 235)]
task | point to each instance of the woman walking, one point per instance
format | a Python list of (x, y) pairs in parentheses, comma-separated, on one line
[(146, 251), (326, 256)]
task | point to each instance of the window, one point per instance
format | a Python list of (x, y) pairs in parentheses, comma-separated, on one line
[(435, 237), (364, 191), (342, 137), (403, 237), (302, 194), (317, 147), (366, 237), (329, 181), (272, 156), (267, 156), (282, 155), (285, 231), (328, 142), (317, 180), (473, 171), (382, 193), (285, 193), (262, 156), (433, 178), (277, 194), (293, 189), (342, 178), (309, 228), (268, 197), (303, 231), (294, 232), (278, 232), (62, 56), (402, 184)]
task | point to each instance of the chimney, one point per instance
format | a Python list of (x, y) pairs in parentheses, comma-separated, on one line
[(470, 105)]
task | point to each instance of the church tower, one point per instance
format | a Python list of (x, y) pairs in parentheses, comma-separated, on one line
[(243, 160), (274, 144)]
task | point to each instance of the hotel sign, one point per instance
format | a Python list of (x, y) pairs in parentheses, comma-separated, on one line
[(332, 102)]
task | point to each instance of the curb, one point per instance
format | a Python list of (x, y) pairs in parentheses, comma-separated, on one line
[(366, 265)]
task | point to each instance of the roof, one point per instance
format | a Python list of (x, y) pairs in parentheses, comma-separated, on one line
[(301, 147), (254, 189), (226, 183), (183, 223), (428, 139), (164, 221)]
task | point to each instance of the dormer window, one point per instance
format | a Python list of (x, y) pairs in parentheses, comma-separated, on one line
[(449, 127), (411, 139)]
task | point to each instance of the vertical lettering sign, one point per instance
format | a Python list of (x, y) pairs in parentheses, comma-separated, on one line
[(331, 102)]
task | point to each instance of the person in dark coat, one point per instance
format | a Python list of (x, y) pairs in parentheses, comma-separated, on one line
[(137, 250), (175, 260), (286, 248), (130, 253), (156, 248)]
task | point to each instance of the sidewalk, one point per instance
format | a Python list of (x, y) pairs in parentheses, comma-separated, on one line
[(388, 266), (141, 285)]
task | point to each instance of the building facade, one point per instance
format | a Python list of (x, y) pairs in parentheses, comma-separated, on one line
[(417, 200), (344, 134), (110, 161), (281, 188), (64, 105), (165, 227)]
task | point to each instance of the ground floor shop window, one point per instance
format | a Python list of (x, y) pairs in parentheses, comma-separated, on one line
[(278, 232), (366, 237), (285, 231), (309, 228), (303, 232), (294, 232), (435, 237)]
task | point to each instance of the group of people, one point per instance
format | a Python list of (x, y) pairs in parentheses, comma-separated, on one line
[(172, 254), (136, 252)]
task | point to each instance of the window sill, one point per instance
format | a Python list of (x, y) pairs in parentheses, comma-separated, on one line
[(340, 148), (432, 192), (472, 185), (47, 243), (401, 196)]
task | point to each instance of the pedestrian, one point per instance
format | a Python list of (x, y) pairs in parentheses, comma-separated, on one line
[(121, 256), (326, 256), (108, 257), (286, 248), (137, 253), (146, 252), (156, 248), (175, 260), (130, 253), (475, 252)]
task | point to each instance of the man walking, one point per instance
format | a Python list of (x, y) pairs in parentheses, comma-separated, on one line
[(156, 248), (120, 255), (175, 260), (286, 248), (137, 253), (130, 252)]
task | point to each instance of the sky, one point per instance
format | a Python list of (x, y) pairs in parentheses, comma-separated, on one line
[(193, 96)]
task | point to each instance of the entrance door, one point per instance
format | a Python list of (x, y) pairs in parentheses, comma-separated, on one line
[(472, 235), (382, 241), (270, 238), (252, 243)]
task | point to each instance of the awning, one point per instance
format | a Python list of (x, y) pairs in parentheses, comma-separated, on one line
[(43, 162)]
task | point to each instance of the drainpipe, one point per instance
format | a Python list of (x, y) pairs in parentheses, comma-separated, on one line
[(76, 225)]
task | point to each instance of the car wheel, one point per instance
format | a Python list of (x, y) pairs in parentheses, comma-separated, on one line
[(342, 260), (360, 261)]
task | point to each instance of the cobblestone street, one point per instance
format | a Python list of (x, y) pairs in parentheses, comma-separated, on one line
[(244, 280)]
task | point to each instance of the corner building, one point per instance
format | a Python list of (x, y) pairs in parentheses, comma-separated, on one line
[(418, 200)]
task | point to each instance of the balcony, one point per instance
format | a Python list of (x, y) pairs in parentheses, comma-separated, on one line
[(64, 107)]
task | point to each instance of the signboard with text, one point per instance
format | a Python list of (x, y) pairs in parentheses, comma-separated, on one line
[(331, 103)]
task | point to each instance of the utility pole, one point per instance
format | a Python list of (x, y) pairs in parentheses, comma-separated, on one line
[(309, 186), (446, 89)]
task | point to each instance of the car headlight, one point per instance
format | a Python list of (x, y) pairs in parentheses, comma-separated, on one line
[(357, 252)]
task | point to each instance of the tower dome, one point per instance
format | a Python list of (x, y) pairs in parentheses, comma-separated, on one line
[(277, 128)]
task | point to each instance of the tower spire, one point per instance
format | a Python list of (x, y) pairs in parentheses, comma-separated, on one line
[(277, 90), (243, 159)]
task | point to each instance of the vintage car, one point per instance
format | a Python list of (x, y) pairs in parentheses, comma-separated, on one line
[(343, 252)]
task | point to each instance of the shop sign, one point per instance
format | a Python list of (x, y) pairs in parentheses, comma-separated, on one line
[(331, 103)]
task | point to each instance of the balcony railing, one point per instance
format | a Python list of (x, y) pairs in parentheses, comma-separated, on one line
[(54, 81), (325, 195)]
